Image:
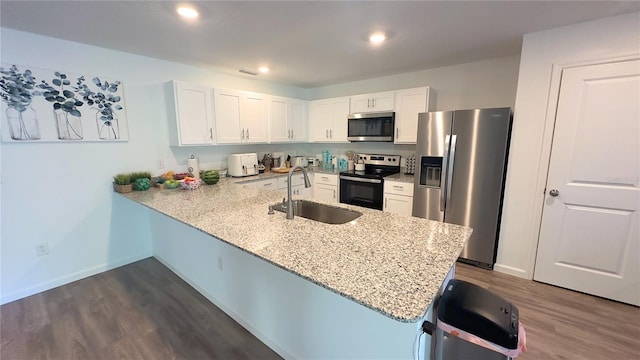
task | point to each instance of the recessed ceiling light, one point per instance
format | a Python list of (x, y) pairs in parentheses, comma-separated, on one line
[(187, 11), (263, 69), (377, 38)]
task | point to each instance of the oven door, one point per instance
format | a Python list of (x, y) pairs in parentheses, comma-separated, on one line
[(361, 191)]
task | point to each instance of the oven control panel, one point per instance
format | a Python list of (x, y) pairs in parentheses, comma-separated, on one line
[(385, 160)]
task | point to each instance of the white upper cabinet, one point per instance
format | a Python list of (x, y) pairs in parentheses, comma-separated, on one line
[(382, 101), (328, 119), (241, 117), (408, 104), (193, 121), (288, 119)]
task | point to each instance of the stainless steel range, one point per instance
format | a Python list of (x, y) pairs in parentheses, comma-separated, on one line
[(366, 188)]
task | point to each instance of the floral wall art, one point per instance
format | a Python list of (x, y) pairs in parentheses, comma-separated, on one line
[(41, 105)]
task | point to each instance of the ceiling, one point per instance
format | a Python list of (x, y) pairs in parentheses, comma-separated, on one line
[(307, 43)]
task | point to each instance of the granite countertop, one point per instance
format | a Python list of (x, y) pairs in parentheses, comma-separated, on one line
[(407, 178), (390, 263)]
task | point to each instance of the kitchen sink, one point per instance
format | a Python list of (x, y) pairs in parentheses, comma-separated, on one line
[(319, 212)]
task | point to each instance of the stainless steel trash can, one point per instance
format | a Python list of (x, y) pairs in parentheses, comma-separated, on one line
[(474, 323)]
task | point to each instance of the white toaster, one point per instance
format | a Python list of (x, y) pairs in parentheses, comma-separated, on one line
[(242, 164)]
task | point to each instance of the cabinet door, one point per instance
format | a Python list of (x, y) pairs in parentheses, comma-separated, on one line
[(325, 193), (360, 103), (227, 112), (382, 101), (278, 119), (253, 118), (319, 120), (194, 114), (409, 103), (298, 120), (339, 116), (398, 204)]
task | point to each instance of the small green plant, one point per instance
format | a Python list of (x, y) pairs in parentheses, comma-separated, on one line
[(122, 179), (139, 175)]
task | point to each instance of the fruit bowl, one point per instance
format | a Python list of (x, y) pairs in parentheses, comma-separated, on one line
[(171, 184), (190, 185)]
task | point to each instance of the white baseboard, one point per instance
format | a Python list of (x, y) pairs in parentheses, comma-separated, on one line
[(273, 345), (53, 283), (510, 270)]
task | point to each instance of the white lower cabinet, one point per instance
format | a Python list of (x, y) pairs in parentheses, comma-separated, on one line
[(325, 187), (398, 197), (280, 184)]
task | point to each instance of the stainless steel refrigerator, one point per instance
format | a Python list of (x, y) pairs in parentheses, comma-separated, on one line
[(461, 161)]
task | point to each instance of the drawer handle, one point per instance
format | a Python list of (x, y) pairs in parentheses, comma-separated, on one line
[(268, 184), (398, 187)]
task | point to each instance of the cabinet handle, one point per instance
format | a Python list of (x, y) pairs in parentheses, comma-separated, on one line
[(397, 187), (324, 178), (326, 134), (386, 201), (334, 193), (211, 133), (267, 184), (330, 134), (247, 134), (291, 133), (368, 103), (242, 135), (397, 132), (373, 103)]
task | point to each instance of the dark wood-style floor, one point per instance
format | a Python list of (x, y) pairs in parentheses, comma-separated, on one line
[(144, 311)]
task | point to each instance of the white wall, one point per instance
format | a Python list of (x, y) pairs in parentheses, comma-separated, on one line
[(593, 41), (487, 83), (60, 193)]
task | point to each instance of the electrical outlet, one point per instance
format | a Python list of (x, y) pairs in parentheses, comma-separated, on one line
[(42, 249), (220, 263), (160, 164)]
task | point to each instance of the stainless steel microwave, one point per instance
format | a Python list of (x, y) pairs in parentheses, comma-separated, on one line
[(374, 126)]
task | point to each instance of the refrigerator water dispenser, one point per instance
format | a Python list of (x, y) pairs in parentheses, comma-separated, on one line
[(431, 171)]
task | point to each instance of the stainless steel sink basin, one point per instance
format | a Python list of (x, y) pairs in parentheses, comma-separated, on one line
[(319, 212)]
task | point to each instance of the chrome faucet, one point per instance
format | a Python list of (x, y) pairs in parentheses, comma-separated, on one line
[(307, 184)]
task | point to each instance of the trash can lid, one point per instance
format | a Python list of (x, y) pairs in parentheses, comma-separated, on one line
[(480, 312)]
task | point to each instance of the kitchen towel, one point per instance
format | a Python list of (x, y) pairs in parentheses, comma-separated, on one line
[(193, 168)]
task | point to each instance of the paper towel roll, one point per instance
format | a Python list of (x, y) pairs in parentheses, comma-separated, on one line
[(193, 168)]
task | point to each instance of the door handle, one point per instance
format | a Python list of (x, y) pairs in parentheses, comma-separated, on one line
[(452, 159), (554, 192), (443, 179)]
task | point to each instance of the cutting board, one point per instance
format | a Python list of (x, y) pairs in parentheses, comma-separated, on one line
[(282, 170)]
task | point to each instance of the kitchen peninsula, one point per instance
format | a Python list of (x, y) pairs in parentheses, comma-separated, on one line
[(305, 288)]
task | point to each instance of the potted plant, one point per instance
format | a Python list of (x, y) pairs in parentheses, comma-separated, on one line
[(17, 90), (65, 106), (141, 181), (122, 183), (105, 102)]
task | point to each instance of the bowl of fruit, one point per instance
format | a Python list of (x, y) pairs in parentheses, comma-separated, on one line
[(189, 183)]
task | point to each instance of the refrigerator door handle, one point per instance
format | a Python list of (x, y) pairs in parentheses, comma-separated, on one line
[(445, 161), (452, 158)]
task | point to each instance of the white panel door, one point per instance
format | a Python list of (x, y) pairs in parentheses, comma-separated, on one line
[(227, 110), (253, 118), (280, 130), (194, 114), (589, 236)]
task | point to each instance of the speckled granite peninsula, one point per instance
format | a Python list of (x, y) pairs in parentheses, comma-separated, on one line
[(389, 263)]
